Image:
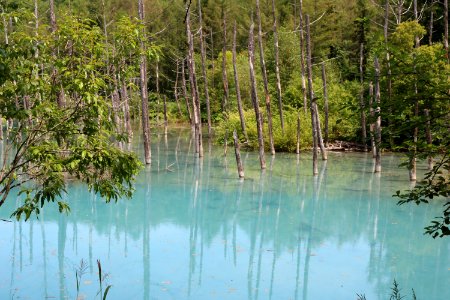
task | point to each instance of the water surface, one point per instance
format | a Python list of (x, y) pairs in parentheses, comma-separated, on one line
[(193, 230)]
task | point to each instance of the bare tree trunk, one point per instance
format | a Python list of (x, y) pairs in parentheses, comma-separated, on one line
[(413, 160), (378, 122), (126, 109), (430, 28), (185, 95), (388, 63), (144, 95), (323, 150), (399, 11), (194, 89), (226, 93), (325, 98), (372, 124), (254, 95), (5, 26), (238, 90), (36, 16), (53, 17), (116, 102), (165, 111), (212, 58), (176, 90), (297, 150), (362, 105), (238, 155), (429, 137), (277, 66), (446, 28), (264, 75), (157, 91), (302, 58), (205, 78), (311, 97)]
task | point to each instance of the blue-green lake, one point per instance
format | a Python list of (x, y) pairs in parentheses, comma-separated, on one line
[(193, 230)]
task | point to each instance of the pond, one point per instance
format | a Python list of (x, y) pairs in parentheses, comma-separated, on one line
[(193, 230)]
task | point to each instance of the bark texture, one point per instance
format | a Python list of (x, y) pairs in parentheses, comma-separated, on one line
[(254, 96)]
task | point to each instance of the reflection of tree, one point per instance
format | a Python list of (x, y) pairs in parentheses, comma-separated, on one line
[(284, 211)]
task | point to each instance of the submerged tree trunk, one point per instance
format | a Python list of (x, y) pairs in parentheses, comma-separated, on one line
[(325, 99), (428, 135), (297, 150), (144, 95), (226, 93), (323, 150), (238, 155), (372, 124), (157, 91), (264, 75), (194, 89), (413, 158), (302, 58), (311, 97), (185, 95), (175, 93), (126, 110), (238, 91), (254, 95), (165, 115), (277, 66), (205, 78), (378, 122), (388, 63), (362, 105)]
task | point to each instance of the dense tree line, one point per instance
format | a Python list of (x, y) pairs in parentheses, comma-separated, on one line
[(372, 72)]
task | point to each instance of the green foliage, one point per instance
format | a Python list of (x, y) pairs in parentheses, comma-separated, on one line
[(55, 91), (283, 142), (434, 187)]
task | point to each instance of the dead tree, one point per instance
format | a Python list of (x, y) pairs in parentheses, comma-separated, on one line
[(157, 91), (325, 99), (446, 28), (185, 94), (144, 94), (378, 114), (205, 78), (126, 111), (277, 66), (53, 16), (254, 96), (297, 150), (238, 91), (176, 90), (388, 62), (372, 124), (238, 155), (302, 57), (194, 89), (226, 93), (362, 105), (323, 150), (165, 114), (413, 160), (312, 100), (264, 75)]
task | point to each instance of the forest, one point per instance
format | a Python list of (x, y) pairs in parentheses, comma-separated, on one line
[(80, 79)]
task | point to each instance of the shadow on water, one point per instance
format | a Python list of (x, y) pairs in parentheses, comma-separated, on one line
[(193, 230)]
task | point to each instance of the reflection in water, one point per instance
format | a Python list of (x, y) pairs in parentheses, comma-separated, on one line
[(195, 231)]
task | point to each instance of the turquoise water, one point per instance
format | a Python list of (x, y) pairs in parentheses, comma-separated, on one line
[(193, 230)]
